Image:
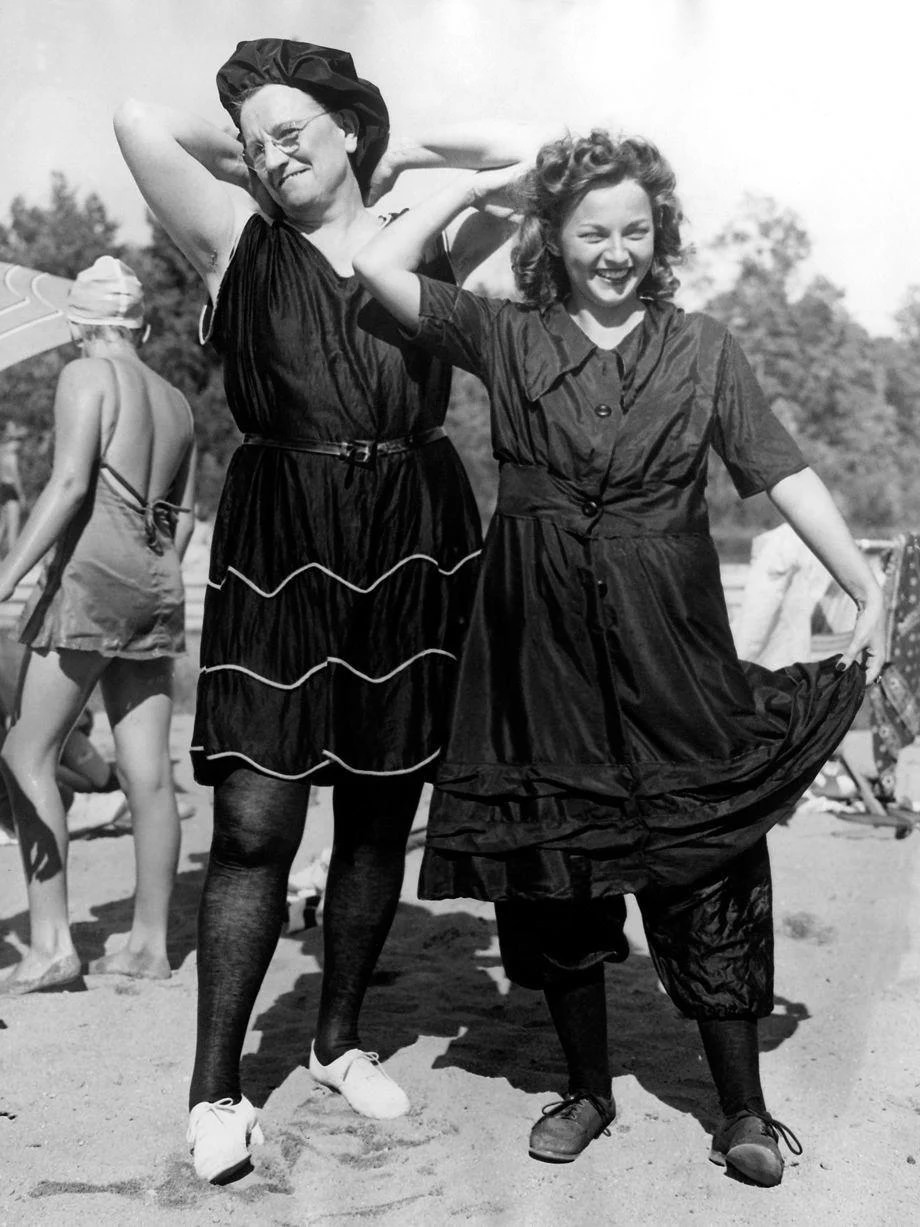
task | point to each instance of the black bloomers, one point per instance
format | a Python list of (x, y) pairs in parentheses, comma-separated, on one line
[(711, 942)]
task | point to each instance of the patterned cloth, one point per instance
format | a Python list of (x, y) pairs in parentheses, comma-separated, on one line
[(895, 702)]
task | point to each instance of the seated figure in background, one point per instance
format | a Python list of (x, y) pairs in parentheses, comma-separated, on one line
[(789, 596)]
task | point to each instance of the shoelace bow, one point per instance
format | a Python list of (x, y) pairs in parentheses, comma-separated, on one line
[(777, 1130), (373, 1059), (566, 1107), (222, 1108)]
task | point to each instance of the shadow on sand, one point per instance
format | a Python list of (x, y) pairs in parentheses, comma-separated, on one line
[(440, 975), (90, 936)]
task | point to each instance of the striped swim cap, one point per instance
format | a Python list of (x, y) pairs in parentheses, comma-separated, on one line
[(107, 293)]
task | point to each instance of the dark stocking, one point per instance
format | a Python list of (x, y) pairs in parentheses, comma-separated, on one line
[(258, 824), (372, 823), (731, 1049), (578, 1006)]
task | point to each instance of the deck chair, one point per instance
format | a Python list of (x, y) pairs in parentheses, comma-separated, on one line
[(894, 704)]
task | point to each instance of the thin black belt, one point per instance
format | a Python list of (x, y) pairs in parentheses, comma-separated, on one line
[(356, 451)]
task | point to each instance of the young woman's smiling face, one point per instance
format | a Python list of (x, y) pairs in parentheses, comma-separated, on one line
[(607, 243), (317, 164)]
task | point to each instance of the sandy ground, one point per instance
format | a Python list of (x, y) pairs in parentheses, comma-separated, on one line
[(94, 1081)]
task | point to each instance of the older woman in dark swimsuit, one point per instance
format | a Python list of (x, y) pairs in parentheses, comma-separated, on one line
[(345, 545)]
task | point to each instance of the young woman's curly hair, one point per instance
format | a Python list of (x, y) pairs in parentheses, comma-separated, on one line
[(565, 170)]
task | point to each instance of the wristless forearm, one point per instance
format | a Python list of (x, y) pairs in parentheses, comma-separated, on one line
[(404, 241), (218, 152), (475, 146)]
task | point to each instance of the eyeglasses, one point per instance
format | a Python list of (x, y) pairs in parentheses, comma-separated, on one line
[(288, 143)]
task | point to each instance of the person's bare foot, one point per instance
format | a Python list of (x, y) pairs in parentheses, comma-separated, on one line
[(139, 966), (35, 974)]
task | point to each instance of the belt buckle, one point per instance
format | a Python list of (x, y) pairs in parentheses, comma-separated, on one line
[(363, 452)]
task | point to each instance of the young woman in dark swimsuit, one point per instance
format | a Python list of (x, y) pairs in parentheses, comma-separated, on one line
[(114, 520)]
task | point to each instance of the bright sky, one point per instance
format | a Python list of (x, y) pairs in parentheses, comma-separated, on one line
[(810, 101)]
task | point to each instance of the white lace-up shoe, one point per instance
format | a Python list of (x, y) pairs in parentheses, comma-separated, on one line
[(220, 1136), (364, 1082)]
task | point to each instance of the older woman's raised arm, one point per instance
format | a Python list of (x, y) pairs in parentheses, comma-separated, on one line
[(183, 166)]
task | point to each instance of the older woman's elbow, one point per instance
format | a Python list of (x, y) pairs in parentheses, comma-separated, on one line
[(129, 116), (364, 265)]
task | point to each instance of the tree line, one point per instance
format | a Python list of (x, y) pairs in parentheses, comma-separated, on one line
[(849, 398)]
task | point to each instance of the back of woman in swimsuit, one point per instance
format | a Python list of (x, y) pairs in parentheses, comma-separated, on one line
[(114, 520)]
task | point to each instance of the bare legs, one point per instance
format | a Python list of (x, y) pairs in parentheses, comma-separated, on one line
[(82, 768), (10, 516), (258, 824), (54, 690), (138, 701)]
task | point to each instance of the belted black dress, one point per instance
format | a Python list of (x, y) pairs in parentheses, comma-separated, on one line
[(339, 590), (605, 735)]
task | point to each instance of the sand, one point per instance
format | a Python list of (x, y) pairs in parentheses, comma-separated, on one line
[(94, 1081)]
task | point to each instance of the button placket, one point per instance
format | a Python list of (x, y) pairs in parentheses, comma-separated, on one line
[(600, 395), (610, 399), (605, 409)]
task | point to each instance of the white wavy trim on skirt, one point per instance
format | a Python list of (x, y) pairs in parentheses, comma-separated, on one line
[(328, 757), (324, 664), (341, 579)]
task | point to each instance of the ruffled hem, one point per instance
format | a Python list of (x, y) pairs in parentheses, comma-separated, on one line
[(49, 629), (583, 844), (110, 653), (632, 856), (495, 808)]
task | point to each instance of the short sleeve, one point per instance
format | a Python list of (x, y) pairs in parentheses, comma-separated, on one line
[(457, 325), (757, 449)]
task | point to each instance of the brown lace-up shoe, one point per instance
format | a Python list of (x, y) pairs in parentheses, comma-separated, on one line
[(566, 1127), (748, 1143)]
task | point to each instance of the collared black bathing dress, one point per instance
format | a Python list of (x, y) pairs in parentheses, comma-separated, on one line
[(606, 738), (339, 591)]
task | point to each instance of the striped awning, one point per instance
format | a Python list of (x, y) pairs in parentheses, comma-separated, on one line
[(31, 313)]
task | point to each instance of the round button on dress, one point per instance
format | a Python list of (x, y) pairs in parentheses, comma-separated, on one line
[(626, 744), (590, 507), (603, 411)]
